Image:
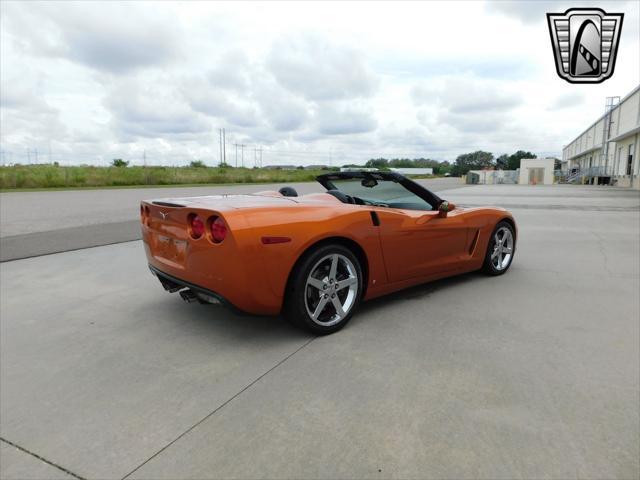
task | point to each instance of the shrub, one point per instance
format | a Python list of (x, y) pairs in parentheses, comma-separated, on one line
[(118, 162)]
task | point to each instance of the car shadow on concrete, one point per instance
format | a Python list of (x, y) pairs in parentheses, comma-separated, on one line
[(223, 323), (422, 291)]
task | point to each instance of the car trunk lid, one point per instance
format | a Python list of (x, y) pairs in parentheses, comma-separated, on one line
[(225, 202)]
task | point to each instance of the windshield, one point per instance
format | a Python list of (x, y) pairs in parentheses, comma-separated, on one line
[(384, 193)]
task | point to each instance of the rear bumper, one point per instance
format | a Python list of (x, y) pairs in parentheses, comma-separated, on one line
[(173, 284)]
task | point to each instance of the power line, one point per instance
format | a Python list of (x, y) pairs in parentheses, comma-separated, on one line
[(223, 145), (241, 145), (257, 161)]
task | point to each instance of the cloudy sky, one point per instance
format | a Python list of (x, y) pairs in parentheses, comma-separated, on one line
[(308, 82)]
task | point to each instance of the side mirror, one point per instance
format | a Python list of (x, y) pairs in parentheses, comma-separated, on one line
[(444, 208)]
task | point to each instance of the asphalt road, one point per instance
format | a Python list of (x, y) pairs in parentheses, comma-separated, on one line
[(534, 374), (39, 223)]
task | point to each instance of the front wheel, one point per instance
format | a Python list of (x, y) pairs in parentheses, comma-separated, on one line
[(324, 290), (500, 250)]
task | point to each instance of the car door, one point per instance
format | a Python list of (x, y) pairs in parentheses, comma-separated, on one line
[(421, 243)]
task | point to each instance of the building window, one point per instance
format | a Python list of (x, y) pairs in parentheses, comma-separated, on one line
[(630, 159)]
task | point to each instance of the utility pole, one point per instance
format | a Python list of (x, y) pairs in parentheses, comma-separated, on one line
[(260, 157), (220, 144), (224, 146), (255, 156), (144, 164), (241, 145)]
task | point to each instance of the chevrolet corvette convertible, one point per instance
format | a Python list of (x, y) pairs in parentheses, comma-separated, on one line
[(314, 258)]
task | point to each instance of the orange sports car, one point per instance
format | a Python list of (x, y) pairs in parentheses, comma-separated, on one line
[(315, 257)]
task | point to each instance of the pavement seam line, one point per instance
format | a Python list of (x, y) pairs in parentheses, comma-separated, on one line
[(42, 459), (220, 407)]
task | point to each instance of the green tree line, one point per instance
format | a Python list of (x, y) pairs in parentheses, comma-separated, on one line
[(439, 168), (478, 160)]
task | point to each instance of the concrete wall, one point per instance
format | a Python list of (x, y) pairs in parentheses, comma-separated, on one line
[(546, 163), (492, 177), (589, 143), (622, 148), (627, 114), (591, 149)]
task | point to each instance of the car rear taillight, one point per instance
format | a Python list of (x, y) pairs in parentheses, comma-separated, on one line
[(218, 229), (197, 226)]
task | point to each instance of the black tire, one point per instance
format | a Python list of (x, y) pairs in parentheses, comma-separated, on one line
[(299, 294), (489, 267)]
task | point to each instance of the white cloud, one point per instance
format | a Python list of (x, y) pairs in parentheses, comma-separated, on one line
[(567, 100), (534, 11), (318, 69), (311, 82), (114, 38), (467, 94), (148, 110), (345, 119)]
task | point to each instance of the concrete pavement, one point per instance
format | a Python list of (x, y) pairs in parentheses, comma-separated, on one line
[(532, 374)]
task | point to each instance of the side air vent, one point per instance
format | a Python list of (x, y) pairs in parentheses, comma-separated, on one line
[(474, 242)]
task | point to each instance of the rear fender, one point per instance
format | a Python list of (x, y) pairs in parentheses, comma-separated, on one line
[(280, 258)]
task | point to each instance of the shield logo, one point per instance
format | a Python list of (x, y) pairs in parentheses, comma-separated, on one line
[(585, 43)]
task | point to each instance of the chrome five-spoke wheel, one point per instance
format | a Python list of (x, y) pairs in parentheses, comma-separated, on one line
[(502, 248), (324, 289), (331, 289)]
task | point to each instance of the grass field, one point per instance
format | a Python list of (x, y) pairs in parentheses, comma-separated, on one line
[(51, 176)]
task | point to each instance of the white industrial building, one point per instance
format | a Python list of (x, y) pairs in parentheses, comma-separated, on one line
[(608, 151), (491, 177), (532, 171), (536, 171)]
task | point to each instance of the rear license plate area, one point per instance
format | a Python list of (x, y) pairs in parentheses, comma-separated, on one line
[(171, 249)]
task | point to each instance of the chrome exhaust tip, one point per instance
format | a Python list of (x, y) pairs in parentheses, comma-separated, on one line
[(210, 299), (188, 296)]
